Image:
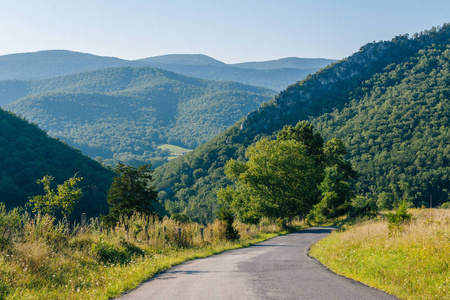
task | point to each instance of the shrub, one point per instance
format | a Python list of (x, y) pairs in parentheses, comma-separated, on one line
[(10, 225), (282, 224), (180, 218), (362, 207), (445, 205), (108, 253), (225, 215), (398, 218)]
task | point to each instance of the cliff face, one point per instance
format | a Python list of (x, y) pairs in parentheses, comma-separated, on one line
[(320, 92), (297, 99)]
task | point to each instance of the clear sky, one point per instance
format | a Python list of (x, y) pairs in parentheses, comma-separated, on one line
[(228, 30)]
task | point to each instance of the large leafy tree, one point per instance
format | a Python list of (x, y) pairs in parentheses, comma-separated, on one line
[(286, 177), (279, 180), (131, 192)]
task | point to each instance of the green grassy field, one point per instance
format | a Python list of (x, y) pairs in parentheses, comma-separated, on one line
[(175, 151), (413, 263)]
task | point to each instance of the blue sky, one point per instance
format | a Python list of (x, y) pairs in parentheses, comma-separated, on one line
[(231, 31)]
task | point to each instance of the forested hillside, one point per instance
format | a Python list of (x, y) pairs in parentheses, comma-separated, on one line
[(388, 102), (397, 129), (28, 154), (123, 114)]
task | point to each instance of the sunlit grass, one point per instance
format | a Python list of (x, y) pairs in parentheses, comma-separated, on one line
[(47, 261), (175, 151), (413, 263)]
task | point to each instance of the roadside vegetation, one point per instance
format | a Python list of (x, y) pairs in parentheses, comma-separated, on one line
[(44, 259), (405, 254), (45, 256)]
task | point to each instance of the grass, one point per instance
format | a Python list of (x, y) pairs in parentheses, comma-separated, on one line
[(410, 263), (41, 259), (175, 151)]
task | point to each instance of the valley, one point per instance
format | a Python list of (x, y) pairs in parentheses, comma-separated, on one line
[(175, 157)]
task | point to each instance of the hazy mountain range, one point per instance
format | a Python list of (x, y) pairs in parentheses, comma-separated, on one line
[(124, 114), (389, 103), (274, 75)]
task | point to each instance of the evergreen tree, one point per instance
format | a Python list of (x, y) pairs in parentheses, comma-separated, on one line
[(130, 193)]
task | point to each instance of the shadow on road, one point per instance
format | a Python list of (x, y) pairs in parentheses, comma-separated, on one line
[(267, 245), (173, 274), (317, 230)]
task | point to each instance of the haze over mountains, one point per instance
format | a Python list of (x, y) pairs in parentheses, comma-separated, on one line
[(124, 114), (389, 103), (54, 63)]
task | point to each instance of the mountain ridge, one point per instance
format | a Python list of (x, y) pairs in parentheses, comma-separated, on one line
[(331, 89), (54, 63), (150, 107)]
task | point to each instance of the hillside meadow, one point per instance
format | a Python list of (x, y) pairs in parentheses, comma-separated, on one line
[(410, 263)]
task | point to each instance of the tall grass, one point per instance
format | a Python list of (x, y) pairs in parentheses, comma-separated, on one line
[(411, 263), (44, 259)]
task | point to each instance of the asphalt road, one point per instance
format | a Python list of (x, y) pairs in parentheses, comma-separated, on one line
[(279, 268)]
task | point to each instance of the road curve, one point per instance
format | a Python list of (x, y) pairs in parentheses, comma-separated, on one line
[(279, 268)]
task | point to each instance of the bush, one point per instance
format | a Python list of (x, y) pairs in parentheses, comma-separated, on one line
[(445, 205), (362, 207), (282, 224), (10, 224), (108, 253), (397, 219), (180, 218), (225, 215)]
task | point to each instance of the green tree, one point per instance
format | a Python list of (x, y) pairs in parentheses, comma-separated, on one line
[(385, 201), (226, 215), (62, 200), (279, 180), (304, 132), (336, 195), (130, 193), (334, 153)]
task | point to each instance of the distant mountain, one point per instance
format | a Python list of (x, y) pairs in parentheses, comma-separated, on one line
[(389, 103), (55, 63), (184, 59), (275, 75), (286, 63), (11, 90), (124, 114), (276, 79), (28, 154)]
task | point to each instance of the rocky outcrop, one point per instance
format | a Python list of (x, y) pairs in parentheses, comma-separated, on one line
[(299, 97)]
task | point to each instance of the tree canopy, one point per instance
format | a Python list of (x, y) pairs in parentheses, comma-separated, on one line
[(131, 192), (282, 178)]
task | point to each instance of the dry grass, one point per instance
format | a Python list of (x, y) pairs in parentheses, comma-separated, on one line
[(413, 263), (44, 260)]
